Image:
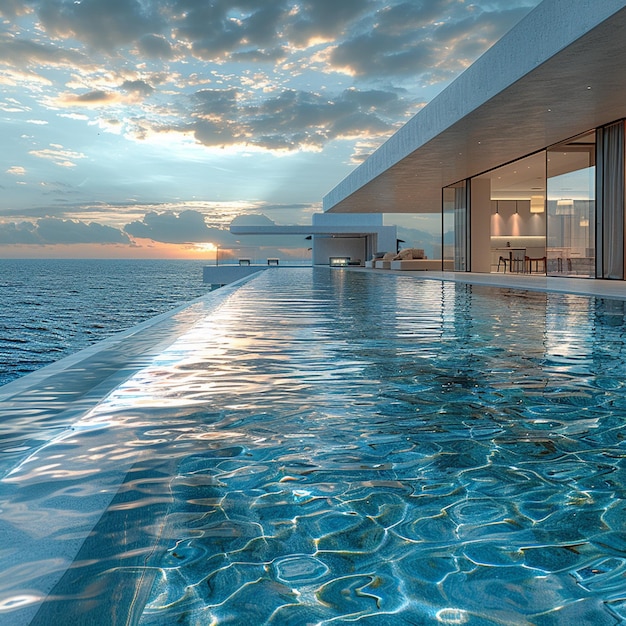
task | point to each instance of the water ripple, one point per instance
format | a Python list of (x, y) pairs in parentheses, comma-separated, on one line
[(335, 447)]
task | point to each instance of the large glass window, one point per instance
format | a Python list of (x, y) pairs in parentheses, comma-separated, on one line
[(454, 239), (512, 197), (571, 207)]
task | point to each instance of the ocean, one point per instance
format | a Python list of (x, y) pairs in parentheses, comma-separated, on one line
[(51, 308)]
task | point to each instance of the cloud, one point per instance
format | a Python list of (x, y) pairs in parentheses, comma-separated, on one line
[(324, 20), (11, 105), (155, 47), (381, 54), (138, 87), (254, 219), (16, 170), (102, 24), (398, 42), (51, 231), (468, 37), (273, 55), (13, 8), (256, 75), (75, 116), (396, 37), (292, 119), (20, 233), (210, 30), (58, 155), (296, 119), (95, 98), (218, 28), (215, 103), (431, 37), (185, 227), (18, 52)]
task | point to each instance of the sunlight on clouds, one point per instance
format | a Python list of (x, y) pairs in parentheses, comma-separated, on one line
[(188, 99), (205, 247), (258, 81), (74, 116), (193, 80), (94, 99), (10, 105), (16, 170), (216, 214), (362, 150), (13, 77), (116, 127), (58, 155)]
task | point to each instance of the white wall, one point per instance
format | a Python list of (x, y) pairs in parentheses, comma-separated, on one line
[(480, 225), (513, 218), (325, 247)]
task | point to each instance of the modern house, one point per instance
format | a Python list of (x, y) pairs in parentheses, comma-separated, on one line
[(522, 155), (346, 238)]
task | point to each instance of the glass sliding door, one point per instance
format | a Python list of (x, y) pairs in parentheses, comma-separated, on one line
[(611, 199), (454, 238), (512, 198), (571, 207)]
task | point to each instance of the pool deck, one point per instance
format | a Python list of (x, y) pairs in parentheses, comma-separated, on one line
[(615, 289)]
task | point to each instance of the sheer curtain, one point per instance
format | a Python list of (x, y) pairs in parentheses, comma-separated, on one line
[(613, 201), (460, 229)]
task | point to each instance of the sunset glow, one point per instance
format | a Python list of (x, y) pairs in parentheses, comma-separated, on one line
[(131, 127)]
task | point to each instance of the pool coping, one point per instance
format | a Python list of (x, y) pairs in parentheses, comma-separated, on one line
[(591, 287)]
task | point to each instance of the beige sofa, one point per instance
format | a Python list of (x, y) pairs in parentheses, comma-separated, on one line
[(409, 254)]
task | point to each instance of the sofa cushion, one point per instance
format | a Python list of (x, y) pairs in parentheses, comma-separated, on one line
[(410, 253)]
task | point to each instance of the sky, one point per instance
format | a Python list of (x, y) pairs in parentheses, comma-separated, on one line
[(142, 128)]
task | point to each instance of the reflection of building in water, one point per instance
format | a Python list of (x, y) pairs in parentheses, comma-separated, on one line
[(522, 155)]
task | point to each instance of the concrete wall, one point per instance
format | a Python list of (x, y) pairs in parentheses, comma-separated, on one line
[(325, 247), (480, 225), (226, 274)]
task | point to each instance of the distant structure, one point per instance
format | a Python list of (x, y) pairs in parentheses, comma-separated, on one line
[(336, 239)]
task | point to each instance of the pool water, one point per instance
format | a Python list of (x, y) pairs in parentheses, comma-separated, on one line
[(334, 447)]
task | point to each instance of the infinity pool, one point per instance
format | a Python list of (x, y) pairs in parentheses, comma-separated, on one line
[(334, 447)]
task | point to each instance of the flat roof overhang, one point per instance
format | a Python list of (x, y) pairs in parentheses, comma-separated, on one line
[(317, 230), (556, 74)]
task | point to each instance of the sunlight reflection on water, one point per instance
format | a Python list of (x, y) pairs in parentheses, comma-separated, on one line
[(333, 446)]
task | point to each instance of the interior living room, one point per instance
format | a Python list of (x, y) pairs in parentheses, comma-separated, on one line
[(540, 211)]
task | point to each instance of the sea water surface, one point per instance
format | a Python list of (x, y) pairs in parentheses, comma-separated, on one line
[(334, 447), (50, 308)]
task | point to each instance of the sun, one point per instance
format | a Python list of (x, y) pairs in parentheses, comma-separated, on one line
[(205, 247)]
